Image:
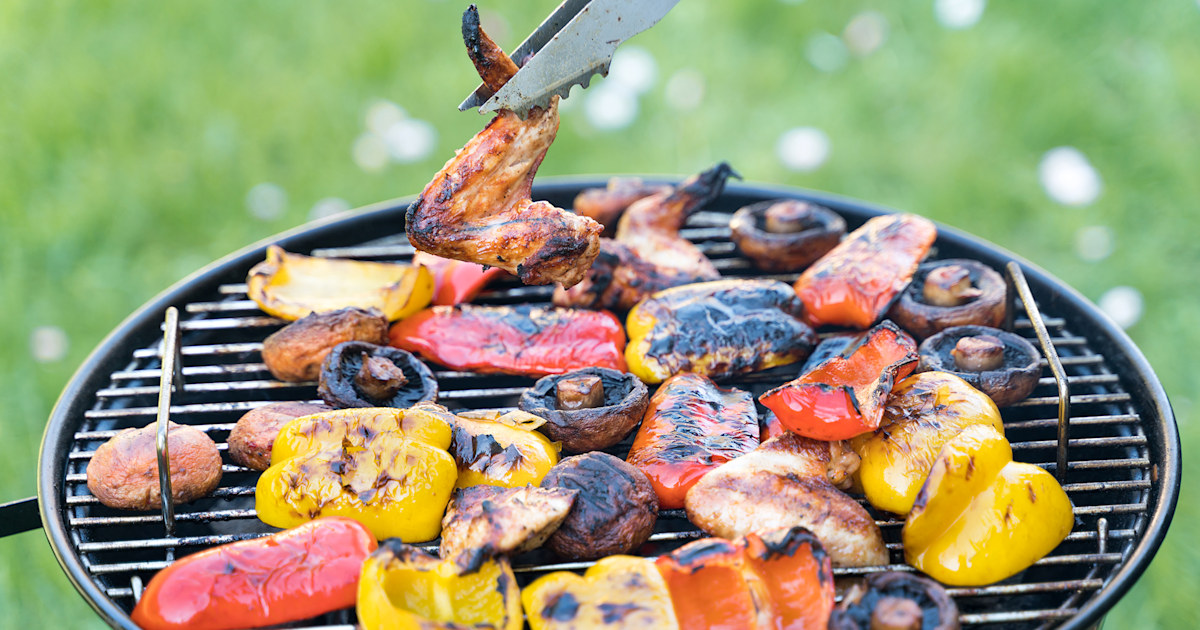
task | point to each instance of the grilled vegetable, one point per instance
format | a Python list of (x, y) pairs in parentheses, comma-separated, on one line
[(252, 438), (844, 396), (455, 281), (718, 329), (623, 402), (614, 512), (500, 449), (296, 351), (484, 521), (404, 588), (386, 468), (982, 517), (292, 575), (360, 374), (123, 472), (779, 579), (691, 427), (1001, 364), (785, 234), (523, 339), (787, 482), (855, 282), (895, 601), (952, 292), (290, 286), (618, 592), (923, 412)]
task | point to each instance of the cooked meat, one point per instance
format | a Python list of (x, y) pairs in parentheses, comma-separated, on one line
[(295, 352), (123, 472), (252, 437), (484, 521), (606, 205), (614, 512), (783, 483), (478, 207), (619, 278)]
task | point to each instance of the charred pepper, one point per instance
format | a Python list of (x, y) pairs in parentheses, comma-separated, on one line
[(501, 449), (456, 281), (982, 517), (618, 592)]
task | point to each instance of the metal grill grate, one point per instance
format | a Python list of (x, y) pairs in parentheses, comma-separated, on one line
[(1109, 476)]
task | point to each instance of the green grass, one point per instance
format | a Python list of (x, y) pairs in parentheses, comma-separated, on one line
[(130, 133)]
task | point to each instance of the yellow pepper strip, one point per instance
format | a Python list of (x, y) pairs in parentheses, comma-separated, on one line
[(501, 449), (385, 468), (404, 588), (981, 517), (290, 286), (616, 592), (922, 413)]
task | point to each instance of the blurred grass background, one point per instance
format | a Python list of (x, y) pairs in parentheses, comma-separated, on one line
[(132, 134)]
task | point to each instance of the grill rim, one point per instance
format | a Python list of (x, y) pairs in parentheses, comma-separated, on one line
[(141, 328)]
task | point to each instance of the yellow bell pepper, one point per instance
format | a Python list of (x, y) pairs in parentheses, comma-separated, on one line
[(922, 413), (404, 588), (501, 449), (616, 592), (981, 517), (386, 468)]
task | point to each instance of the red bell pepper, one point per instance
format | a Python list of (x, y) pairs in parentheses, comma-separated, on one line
[(691, 427), (456, 281), (854, 283), (295, 574), (844, 396), (520, 339)]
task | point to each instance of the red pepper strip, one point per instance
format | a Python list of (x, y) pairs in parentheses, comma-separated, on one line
[(798, 575), (844, 396), (295, 574), (691, 427), (455, 281), (854, 283), (521, 339)]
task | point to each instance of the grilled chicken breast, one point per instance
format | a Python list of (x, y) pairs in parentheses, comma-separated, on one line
[(478, 207), (783, 483), (485, 521)]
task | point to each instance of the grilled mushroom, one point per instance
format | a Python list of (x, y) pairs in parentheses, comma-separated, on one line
[(619, 403), (360, 374), (1000, 364), (787, 234), (296, 351), (951, 292), (895, 601), (614, 512), (253, 436), (123, 472)]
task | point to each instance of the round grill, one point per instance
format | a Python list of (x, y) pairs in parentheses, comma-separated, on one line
[(1122, 459)]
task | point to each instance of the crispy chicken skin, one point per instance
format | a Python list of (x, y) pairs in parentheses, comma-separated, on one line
[(484, 521), (478, 207), (783, 483), (619, 278)]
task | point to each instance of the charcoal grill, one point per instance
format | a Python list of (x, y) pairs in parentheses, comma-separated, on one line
[(195, 351)]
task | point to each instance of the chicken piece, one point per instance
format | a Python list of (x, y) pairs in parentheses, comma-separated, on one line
[(478, 207), (783, 483), (484, 521), (619, 279), (606, 205)]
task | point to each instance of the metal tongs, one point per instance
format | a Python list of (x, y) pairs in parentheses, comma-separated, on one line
[(577, 41)]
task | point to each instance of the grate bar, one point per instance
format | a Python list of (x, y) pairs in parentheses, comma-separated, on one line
[(131, 412), (1136, 440), (238, 322), (197, 388), (1082, 399), (1018, 616), (196, 370), (1081, 421)]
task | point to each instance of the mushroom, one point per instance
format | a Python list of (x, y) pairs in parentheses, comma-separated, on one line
[(785, 234), (951, 292), (1001, 364), (361, 374), (895, 601), (587, 409), (296, 351)]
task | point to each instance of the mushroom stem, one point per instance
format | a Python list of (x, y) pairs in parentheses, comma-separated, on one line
[(949, 285), (379, 378), (787, 217), (578, 392), (896, 613), (979, 353)]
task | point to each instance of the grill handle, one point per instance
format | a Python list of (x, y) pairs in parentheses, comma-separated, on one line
[(19, 516)]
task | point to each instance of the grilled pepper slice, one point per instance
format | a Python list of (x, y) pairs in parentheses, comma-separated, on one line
[(855, 282), (616, 592), (294, 574), (501, 449), (691, 427), (391, 474), (456, 281), (718, 329), (404, 588), (982, 517), (844, 396), (522, 339), (923, 412)]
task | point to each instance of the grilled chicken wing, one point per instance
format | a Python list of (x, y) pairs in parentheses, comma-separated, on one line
[(620, 278), (484, 521), (478, 207), (783, 483), (606, 205)]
